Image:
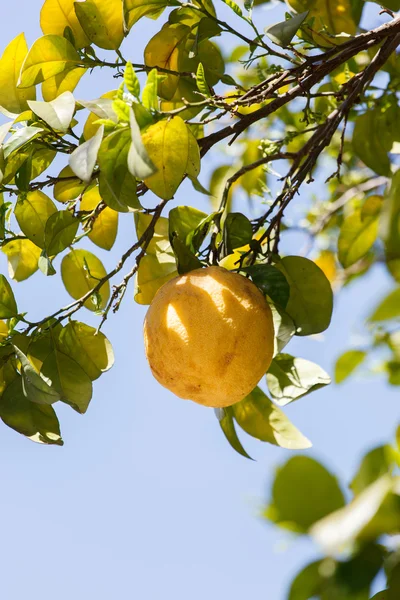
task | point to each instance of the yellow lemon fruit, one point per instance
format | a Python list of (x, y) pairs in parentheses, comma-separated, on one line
[(209, 336)]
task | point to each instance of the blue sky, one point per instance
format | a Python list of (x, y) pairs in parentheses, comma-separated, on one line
[(146, 499)]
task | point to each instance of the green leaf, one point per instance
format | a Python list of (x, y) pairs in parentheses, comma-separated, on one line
[(33, 386), (224, 416), (184, 221), (174, 151), (284, 328), (357, 236), (384, 595), (45, 265), (283, 33), (310, 581), (81, 272), (83, 159), (389, 308), (117, 185), (238, 232), (8, 306), (233, 6), (90, 349), (260, 418), (373, 139), (131, 80), (102, 22), (139, 162), (311, 300), (105, 228), (38, 422), (149, 96), (60, 232), (58, 113), (271, 282), (377, 462), (160, 240), (347, 363), (389, 229), (201, 81), (69, 379), (49, 56), (32, 212), (186, 260), (290, 378), (293, 506)]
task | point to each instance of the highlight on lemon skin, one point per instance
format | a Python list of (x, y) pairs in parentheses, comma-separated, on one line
[(209, 336)]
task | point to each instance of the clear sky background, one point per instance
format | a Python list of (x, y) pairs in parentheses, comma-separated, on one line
[(146, 499)]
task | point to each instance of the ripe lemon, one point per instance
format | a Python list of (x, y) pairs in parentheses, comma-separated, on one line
[(209, 336)]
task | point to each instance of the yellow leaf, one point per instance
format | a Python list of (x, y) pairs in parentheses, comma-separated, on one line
[(63, 82), (90, 129), (49, 56), (160, 239), (331, 16), (3, 331), (70, 188), (56, 15), (12, 98), (136, 9), (102, 21), (154, 271), (81, 271), (23, 258), (32, 212), (327, 263), (173, 150), (105, 227)]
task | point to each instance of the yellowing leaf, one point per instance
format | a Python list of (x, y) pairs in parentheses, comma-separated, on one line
[(136, 9), (81, 271), (105, 227), (357, 236), (8, 306), (23, 258), (49, 56), (102, 21), (154, 271), (12, 98), (173, 150), (333, 16), (56, 15), (327, 263), (63, 82), (32, 212), (68, 187)]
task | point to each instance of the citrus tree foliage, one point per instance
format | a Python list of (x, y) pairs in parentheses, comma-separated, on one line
[(356, 529), (287, 95)]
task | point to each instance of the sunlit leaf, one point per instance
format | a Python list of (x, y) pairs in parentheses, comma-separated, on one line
[(38, 422), (102, 108), (283, 33), (139, 163), (83, 159), (49, 56), (389, 226), (12, 98), (331, 16), (379, 461), (225, 418), (357, 236), (389, 308), (63, 82), (104, 229), (174, 152), (68, 187), (154, 271), (347, 363), (102, 22), (8, 306), (131, 80), (81, 271), (136, 9), (23, 256), (58, 113), (32, 212), (56, 15), (260, 418), (34, 387), (290, 378), (284, 328)]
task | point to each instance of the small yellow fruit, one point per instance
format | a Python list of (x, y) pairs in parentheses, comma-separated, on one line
[(209, 336)]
